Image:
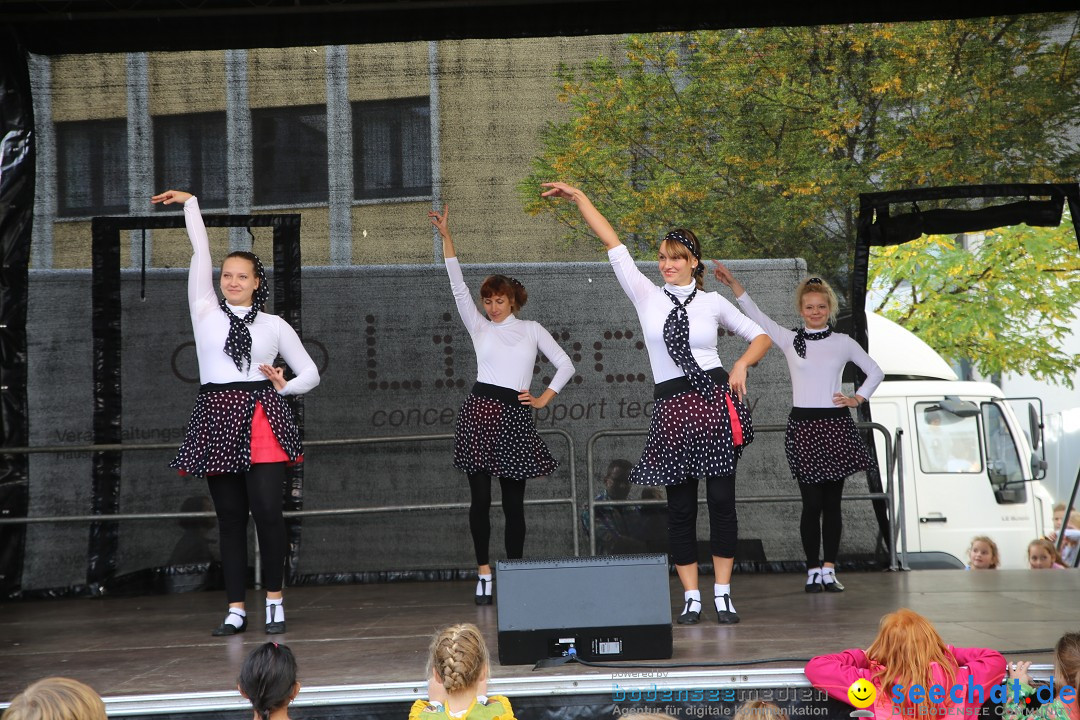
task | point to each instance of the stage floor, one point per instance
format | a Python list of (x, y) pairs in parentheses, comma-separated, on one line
[(372, 635)]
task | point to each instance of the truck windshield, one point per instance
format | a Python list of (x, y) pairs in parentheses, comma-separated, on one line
[(947, 443)]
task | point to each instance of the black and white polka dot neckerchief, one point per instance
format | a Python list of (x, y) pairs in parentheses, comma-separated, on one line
[(801, 336), (677, 340), (238, 343)]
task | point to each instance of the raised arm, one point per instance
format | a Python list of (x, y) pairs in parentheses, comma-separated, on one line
[(776, 333), (597, 222), (201, 294), (442, 224), (472, 317)]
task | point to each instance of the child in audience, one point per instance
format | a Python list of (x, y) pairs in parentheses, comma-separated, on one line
[(56, 698), (1064, 706), (759, 710), (983, 554), (268, 680), (1071, 528), (1042, 555), (458, 669), (906, 652)]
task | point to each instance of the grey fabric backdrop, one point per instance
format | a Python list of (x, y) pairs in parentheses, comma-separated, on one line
[(395, 360)]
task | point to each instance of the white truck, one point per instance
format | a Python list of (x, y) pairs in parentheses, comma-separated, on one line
[(967, 460)]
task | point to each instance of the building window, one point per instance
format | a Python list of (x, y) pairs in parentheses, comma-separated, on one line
[(91, 167), (289, 148), (189, 154), (391, 148)]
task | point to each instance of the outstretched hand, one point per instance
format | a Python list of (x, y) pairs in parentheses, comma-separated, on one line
[(560, 190), (596, 222), (171, 196), (721, 273), (441, 222)]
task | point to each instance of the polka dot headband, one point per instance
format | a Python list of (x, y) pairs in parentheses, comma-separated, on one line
[(680, 237)]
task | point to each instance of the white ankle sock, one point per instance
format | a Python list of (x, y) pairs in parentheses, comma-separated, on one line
[(719, 591), (232, 619), (694, 595), (828, 575), (484, 588), (275, 614), (813, 575)]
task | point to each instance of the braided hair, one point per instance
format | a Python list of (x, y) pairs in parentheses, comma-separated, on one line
[(459, 657), (268, 678)]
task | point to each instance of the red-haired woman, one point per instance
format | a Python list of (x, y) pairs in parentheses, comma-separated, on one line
[(699, 424), (906, 652), (496, 435)]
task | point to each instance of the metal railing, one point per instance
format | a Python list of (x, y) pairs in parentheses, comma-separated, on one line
[(570, 500), (888, 495)]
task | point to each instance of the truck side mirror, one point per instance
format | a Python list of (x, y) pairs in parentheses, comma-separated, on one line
[(956, 407), (1035, 424)]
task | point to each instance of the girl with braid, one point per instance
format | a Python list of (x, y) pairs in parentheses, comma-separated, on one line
[(822, 443), (268, 681), (496, 434), (699, 424), (458, 668), (241, 433)]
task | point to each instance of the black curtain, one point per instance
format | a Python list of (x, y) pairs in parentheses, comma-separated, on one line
[(17, 159)]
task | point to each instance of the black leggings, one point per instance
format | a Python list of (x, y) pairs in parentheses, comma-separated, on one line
[(682, 518), (822, 523), (513, 505), (259, 491)]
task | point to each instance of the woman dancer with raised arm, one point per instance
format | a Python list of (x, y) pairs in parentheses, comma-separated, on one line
[(496, 434), (823, 446), (699, 424), (242, 432)]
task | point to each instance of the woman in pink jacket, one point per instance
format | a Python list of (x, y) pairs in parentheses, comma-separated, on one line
[(909, 654)]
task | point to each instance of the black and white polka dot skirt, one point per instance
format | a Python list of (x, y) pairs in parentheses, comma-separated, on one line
[(219, 431), (691, 437), (496, 434), (822, 445)]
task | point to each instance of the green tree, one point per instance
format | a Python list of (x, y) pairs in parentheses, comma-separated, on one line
[(761, 140), (1005, 302)]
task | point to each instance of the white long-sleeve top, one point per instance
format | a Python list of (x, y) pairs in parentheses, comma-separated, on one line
[(506, 351), (707, 313), (817, 377), (270, 335)]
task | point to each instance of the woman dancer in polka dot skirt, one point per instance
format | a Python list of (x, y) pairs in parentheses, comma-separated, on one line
[(699, 423), (822, 443), (496, 435), (241, 433)]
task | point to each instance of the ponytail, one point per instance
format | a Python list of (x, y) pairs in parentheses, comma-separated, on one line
[(268, 678)]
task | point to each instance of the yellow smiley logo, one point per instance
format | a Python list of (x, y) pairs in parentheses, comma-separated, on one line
[(861, 694)]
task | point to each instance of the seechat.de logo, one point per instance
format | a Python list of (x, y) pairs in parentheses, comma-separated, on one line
[(862, 694)]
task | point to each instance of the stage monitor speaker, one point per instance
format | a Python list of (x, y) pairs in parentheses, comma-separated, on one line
[(615, 607)]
